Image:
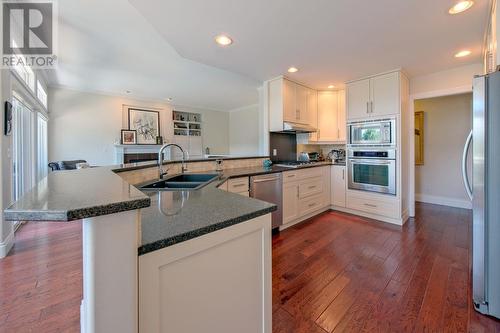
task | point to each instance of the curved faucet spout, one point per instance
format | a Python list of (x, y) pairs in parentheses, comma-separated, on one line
[(161, 172)]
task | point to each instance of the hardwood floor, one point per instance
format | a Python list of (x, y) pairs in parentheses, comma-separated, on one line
[(334, 273)]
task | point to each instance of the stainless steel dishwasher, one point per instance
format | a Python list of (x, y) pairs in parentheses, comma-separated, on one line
[(268, 188)]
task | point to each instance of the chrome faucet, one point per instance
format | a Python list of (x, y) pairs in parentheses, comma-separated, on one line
[(161, 173)]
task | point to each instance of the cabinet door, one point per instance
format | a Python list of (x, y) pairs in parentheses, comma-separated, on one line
[(290, 202), (302, 115), (385, 95), (327, 115), (338, 188), (312, 111), (341, 118), (289, 101), (358, 99)]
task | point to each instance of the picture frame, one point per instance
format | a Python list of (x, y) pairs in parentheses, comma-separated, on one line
[(146, 123), (129, 137), (419, 138)]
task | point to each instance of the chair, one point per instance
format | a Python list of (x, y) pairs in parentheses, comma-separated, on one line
[(65, 165)]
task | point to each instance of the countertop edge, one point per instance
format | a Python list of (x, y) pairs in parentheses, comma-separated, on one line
[(164, 243)]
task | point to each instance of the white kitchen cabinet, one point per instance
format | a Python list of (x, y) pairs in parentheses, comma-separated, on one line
[(305, 192), (290, 202), (338, 187), (239, 185), (203, 285), (385, 94), (377, 96), (358, 99), (290, 102), (331, 116)]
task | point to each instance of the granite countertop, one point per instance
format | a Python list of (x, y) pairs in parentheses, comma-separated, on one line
[(168, 217), (77, 194)]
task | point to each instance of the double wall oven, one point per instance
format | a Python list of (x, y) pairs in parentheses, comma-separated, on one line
[(371, 156)]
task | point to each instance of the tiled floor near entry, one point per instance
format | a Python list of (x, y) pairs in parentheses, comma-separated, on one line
[(335, 273)]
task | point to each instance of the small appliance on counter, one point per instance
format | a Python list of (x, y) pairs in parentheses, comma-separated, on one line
[(337, 155), (304, 157), (314, 156)]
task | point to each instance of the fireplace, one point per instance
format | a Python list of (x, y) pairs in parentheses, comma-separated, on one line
[(137, 153), (139, 157)]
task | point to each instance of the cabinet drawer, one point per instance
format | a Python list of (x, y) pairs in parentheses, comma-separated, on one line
[(378, 207), (310, 187), (310, 204), (238, 185), (311, 172), (290, 176), (223, 186)]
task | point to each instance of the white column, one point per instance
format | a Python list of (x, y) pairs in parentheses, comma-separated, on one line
[(110, 276)]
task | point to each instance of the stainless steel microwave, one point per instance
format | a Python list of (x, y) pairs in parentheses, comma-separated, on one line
[(380, 132)]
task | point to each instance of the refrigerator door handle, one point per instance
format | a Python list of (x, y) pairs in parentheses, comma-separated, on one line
[(464, 165)]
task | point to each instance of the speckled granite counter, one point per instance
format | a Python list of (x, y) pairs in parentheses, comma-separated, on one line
[(168, 217), (77, 194)]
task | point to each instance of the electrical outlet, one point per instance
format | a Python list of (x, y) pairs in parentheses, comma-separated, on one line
[(275, 152)]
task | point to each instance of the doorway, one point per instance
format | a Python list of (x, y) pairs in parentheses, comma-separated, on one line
[(442, 125)]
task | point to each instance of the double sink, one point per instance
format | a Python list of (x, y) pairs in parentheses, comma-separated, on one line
[(182, 182)]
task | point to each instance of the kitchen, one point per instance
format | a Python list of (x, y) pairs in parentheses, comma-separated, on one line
[(311, 181)]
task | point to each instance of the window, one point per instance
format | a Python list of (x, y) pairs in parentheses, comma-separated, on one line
[(42, 145), (25, 72), (41, 94), (22, 153)]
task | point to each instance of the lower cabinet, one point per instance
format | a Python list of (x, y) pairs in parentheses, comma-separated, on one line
[(305, 192), (338, 188), (290, 202), (218, 282), (237, 185)]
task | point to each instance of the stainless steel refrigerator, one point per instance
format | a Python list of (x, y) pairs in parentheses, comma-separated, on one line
[(484, 189)]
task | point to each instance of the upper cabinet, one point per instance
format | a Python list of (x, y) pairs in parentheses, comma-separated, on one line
[(290, 102), (374, 97), (331, 119)]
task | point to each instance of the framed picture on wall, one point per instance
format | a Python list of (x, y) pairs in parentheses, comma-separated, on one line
[(129, 137), (419, 138), (146, 123)]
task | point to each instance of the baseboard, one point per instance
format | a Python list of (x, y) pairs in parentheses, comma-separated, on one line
[(6, 245), (380, 218), (304, 218), (444, 201)]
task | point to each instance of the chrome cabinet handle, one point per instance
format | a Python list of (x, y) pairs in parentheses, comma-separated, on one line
[(465, 176), (290, 176), (239, 185), (367, 107), (370, 205), (371, 107), (311, 187), (312, 204), (343, 174)]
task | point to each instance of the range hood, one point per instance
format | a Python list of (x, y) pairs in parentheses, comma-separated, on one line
[(289, 127)]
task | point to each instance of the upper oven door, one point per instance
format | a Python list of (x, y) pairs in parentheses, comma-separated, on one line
[(372, 133), (372, 175)]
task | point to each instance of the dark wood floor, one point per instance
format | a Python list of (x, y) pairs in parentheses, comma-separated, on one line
[(335, 273)]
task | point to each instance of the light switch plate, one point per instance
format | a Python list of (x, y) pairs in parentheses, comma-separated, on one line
[(275, 152)]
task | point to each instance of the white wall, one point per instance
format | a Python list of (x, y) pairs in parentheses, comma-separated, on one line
[(244, 131), (454, 78), (447, 124), (86, 125)]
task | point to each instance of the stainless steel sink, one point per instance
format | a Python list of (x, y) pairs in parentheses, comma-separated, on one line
[(182, 182)]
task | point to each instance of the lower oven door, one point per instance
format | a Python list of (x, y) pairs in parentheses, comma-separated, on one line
[(372, 175)]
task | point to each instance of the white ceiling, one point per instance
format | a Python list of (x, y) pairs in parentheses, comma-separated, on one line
[(330, 41), (109, 47), (159, 49)]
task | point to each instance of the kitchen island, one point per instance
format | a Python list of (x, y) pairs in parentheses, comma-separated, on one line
[(158, 261)]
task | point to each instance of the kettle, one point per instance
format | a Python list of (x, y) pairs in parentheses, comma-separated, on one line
[(303, 157)]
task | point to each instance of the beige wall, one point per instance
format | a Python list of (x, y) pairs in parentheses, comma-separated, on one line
[(447, 124), (87, 125), (244, 131)]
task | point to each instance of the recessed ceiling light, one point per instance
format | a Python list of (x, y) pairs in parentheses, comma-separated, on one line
[(462, 54), (170, 99), (331, 86), (461, 6), (223, 40), (128, 91), (293, 70)]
